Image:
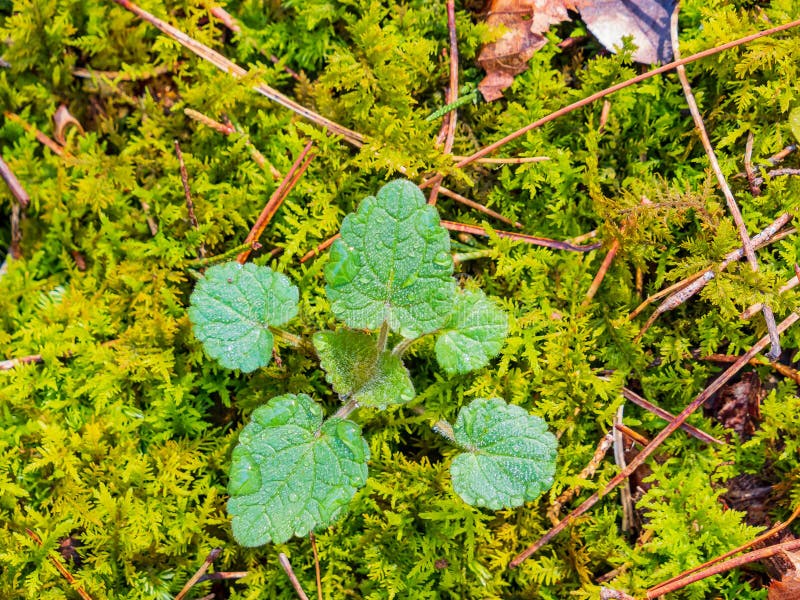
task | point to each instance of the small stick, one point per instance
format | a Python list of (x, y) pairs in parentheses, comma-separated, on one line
[(631, 434), (612, 594), (15, 250), (60, 568), (319, 249), (284, 560), (220, 575), (761, 538), (42, 138), (588, 471), (604, 114), (276, 199), (733, 563), (748, 165), (657, 441), (506, 161), (619, 458), (452, 91), (7, 365), (313, 539), (212, 556), (519, 237), (225, 18), (14, 185), (188, 194), (610, 90), (601, 273), (784, 370), (701, 435), (477, 206), (228, 66), (767, 236), (733, 207)]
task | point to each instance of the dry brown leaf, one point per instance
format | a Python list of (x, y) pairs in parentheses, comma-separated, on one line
[(788, 588), (63, 119), (525, 22)]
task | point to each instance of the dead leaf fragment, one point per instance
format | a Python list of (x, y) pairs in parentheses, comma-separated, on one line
[(788, 588), (63, 119), (526, 21), (646, 21)]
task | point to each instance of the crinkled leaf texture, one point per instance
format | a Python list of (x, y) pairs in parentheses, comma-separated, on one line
[(356, 369), (473, 334), (290, 473), (510, 457), (232, 308), (392, 263)]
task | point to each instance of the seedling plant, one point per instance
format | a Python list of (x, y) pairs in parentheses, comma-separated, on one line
[(390, 282)]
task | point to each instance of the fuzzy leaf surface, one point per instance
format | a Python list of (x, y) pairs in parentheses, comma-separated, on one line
[(232, 308), (286, 478), (473, 334), (510, 457), (354, 368), (392, 263)]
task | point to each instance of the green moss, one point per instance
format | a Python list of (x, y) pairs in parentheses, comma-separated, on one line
[(121, 437)]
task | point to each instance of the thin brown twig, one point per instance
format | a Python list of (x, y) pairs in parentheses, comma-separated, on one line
[(41, 137), (610, 90), (11, 363), (588, 471), (14, 185), (15, 247), (201, 252), (519, 237), (320, 248), (755, 308), (640, 458), (284, 560), (768, 235), (313, 539), (784, 370), (276, 199), (452, 91), (477, 206), (733, 207), (761, 538), (701, 435), (733, 563), (601, 273), (60, 568), (212, 556), (632, 434), (748, 165), (505, 161), (228, 66), (220, 575), (625, 496)]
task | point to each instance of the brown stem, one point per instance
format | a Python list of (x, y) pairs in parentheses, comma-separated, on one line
[(222, 63), (276, 199), (612, 89), (61, 568), (701, 435), (506, 161), (201, 252), (313, 539), (452, 91), (601, 273), (727, 565), (212, 556), (477, 206), (748, 165), (14, 185), (657, 441), (519, 237), (42, 138), (733, 207), (284, 560), (320, 248)]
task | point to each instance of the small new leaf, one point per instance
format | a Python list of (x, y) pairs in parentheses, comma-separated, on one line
[(392, 263), (473, 334), (232, 308), (290, 473), (510, 456), (356, 370)]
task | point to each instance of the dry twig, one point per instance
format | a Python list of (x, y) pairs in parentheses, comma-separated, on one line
[(61, 568), (212, 556), (657, 441), (201, 252), (287, 566), (747, 244)]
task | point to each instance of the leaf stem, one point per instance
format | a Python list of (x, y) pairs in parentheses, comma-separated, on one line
[(404, 345), (294, 340), (444, 429), (383, 336), (345, 410)]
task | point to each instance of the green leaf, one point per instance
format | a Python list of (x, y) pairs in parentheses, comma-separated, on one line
[(355, 369), (232, 308), (794, 122), (392, 263), (473, 334), (290, 473), (510, 458)]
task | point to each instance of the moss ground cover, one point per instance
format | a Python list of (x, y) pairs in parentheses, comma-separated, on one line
[(116, 442)]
